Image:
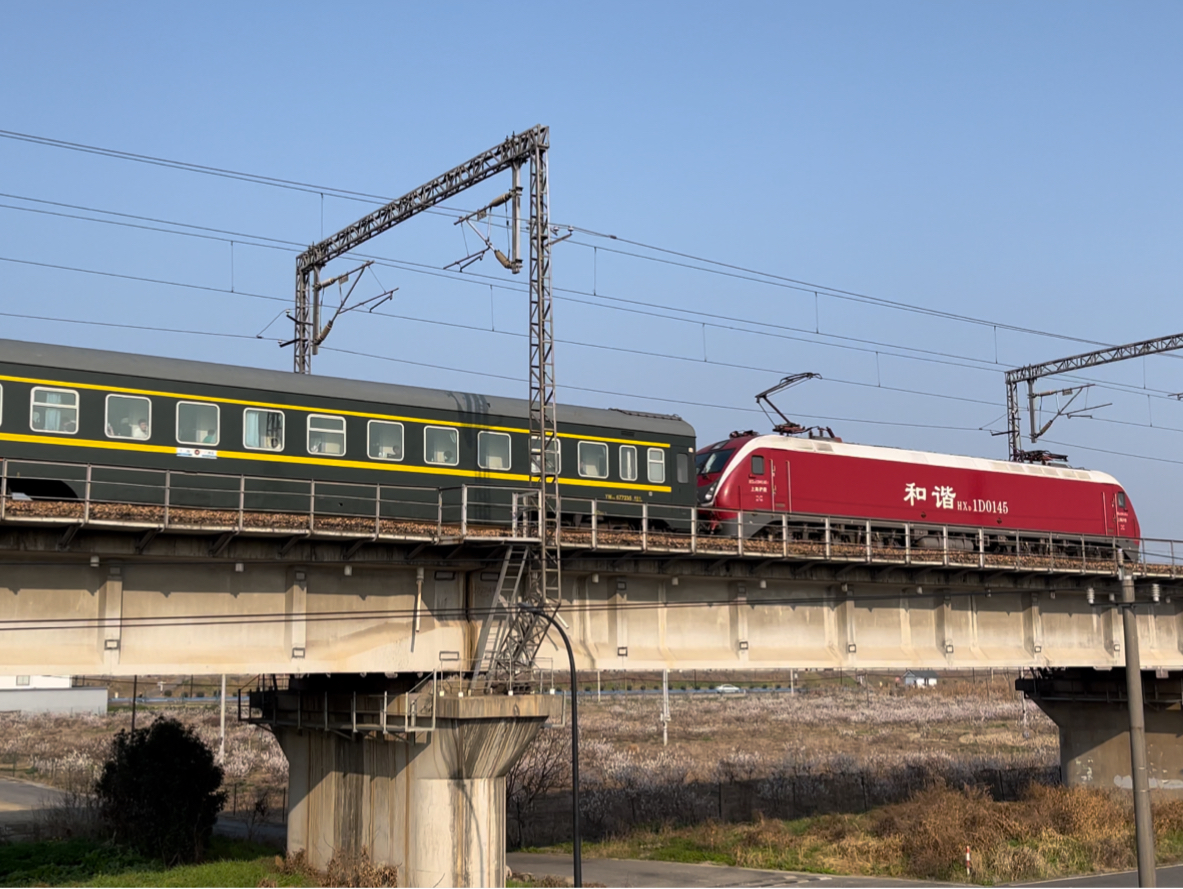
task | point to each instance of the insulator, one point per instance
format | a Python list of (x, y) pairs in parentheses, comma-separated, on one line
[(1155, 592), (1092, 596)]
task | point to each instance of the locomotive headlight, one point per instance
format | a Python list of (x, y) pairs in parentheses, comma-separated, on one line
[(709, 494)]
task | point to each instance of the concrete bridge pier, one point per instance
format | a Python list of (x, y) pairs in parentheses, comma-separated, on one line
[(1090, 709), (431, 802)]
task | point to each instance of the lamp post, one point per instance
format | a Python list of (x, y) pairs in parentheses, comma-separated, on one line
[(577, 846)]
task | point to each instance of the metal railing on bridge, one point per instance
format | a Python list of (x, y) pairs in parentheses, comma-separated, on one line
[(75, 496)]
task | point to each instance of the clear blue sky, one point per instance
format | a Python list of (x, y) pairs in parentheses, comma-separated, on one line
[(1014, 162)]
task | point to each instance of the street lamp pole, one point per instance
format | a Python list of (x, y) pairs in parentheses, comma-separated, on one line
[(577, 844)]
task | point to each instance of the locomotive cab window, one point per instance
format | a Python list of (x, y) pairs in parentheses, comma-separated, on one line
[(593, 459), (262, 430), (129, 416), (386, 440), (492, 450), (197, 423), (554, 456), (53, 410), (1121, 499), (657, 466), (326, 435), (757, 464), (441, 445), (628, 463)]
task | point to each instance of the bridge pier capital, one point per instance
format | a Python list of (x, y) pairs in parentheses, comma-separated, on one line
[(430, 803), (1090, 709)]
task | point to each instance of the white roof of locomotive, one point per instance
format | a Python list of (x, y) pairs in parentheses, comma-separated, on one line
[(919, 458)]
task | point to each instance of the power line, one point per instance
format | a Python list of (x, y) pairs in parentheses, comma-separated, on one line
[(758, 328), (1065, 444), (724, 268), (665, 400), (457, 325), (9, 625), (477, 373), (597, 346)]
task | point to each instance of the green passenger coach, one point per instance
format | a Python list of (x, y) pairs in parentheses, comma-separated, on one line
[(74, 421)]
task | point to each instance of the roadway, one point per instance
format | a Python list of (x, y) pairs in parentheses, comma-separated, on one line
[(617, 872), (621, 872)]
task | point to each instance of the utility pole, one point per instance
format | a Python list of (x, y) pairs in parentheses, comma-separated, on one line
[(1033, 372), (222, 728), (665, 707), (1143, 816)]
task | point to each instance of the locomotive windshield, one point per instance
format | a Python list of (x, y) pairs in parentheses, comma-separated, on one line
[(713, 461)]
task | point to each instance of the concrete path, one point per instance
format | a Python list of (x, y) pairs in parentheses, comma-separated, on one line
[(1167, 876), (20, 799), (619, 872)]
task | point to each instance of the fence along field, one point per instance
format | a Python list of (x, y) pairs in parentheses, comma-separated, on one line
[(832, 749)]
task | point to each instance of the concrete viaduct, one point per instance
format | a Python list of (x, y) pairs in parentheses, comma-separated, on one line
[(372, 640)]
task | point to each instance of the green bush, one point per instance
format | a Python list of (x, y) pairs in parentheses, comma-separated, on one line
[(159, 792)]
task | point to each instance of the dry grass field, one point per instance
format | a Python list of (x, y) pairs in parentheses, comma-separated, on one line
[(959, 718), (806, 780)]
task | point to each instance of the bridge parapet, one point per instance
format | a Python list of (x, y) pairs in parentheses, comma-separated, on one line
[(148, 502)]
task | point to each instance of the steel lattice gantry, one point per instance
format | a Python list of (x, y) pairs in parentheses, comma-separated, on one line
[(1033, 372), (525, 627)]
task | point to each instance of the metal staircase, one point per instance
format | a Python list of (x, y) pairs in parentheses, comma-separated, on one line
[(505, 601)]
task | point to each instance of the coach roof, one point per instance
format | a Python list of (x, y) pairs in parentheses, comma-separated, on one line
[(154, 370)]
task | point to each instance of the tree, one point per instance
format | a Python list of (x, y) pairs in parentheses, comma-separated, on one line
[(159, 792), (544, 768)]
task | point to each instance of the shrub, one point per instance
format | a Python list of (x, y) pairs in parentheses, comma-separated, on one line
[(158, 792)]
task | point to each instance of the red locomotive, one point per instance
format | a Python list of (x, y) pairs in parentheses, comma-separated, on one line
[(1053, 507)]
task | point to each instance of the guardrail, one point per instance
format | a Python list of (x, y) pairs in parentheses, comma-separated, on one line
[(152, 500)]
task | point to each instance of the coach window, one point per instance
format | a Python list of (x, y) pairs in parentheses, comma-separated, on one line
[(657, 466), (441, 445), (54, 410), (129, 416), (262, 430), (1, 405), (757, 464), (628, 463), (593, 459), (492, 450), (683, 469), (386, 440), (326, 435), (554, 456), (197, 423)]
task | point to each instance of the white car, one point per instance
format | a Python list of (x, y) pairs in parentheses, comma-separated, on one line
[(728, 690)]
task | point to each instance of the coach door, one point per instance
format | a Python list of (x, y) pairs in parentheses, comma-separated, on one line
[(782, 500)]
